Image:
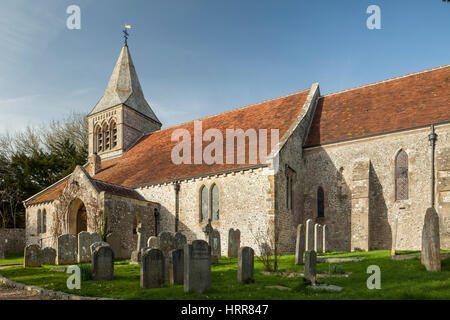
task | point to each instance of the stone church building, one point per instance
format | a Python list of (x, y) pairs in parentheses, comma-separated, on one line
[(359, 161)]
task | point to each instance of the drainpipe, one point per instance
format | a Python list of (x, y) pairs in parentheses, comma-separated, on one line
[(176, 187), (432, 137)]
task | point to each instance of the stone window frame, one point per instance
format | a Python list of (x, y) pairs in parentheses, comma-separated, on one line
[(320, 187), (200, 202), (114, 133), (44, 221), (396, 175), (210, 213), (38, 221), (98, 138)]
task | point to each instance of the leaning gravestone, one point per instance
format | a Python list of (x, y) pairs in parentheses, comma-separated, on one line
[(309, 245), (179, 240), (85, 240), (310, 266), (234, 242), (318, 238), (67, 249), (32, 256), (214, 242), (103, 263), (152, 268), (153, 242), (246, 265), (324, 238), (197, 267), (97, 244), (176, 267), (300, 244), (431, 246), (48, 256)]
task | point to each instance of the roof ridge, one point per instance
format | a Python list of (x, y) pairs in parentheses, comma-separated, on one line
[(387, 80)]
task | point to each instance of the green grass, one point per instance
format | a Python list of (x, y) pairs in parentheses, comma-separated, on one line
[(405, 279), (14, 258)]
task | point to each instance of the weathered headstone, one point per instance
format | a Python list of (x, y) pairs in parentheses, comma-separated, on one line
[(85, 240), (103, 263), (48, 256), (152, 268), (324, 238), (431, 245), (310, 266), (66, 249), (32, 256), (197, 267), (246, 265), (153, 242), (179, 240), (136, 255), (234, 242), (176, 267), (318, 238), (300, 244), (166, 244), (214, 242), (97, 244), (309, 245)]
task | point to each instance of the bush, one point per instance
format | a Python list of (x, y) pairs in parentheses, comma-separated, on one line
[(86, 273)]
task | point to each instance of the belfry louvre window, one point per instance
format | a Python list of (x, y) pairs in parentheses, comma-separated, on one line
[(401, 176), (99, 134), (320, 203), (204, 204), (113, 134)]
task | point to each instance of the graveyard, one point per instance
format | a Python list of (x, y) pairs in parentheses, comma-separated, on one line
[(403, 279)]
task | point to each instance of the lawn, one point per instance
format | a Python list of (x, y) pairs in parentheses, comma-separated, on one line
[(12, 258), (405, 279)]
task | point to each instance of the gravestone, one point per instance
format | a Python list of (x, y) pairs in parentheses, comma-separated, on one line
[(179, 240), (85, 240), (197, 267), (166, 244), (66, 249), (234, 242), (176, 267), (214, 242), (246, 265), (309, 244), (324, 238), (318, 238), (153, 242), (310, 266), (103, 263), (152, 269), (48, 256), (136, 255), (430, 255), (32, 256), (97, 244), (300, 244)]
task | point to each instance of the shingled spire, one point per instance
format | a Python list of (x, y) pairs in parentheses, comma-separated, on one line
[(124, 88)]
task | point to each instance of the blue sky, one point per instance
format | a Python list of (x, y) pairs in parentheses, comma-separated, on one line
[(196, 58)]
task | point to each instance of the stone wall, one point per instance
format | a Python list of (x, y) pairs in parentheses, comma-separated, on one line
[(13, 240), (243, 201), (331, 167), (31, 222)]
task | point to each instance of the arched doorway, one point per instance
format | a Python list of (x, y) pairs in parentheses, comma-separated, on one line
[(77, 217)]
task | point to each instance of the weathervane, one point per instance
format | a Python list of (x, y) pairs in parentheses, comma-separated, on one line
[(125, 33)]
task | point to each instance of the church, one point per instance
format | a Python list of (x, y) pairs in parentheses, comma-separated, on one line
[(367, 162)]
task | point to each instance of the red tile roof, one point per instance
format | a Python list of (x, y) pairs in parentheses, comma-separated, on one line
[(149, 161), (402, 103)]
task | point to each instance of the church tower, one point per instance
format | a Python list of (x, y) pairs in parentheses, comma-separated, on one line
[(122, 115)]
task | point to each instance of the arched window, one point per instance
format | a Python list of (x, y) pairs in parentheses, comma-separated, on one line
[(38, 222), (107, 136), (320, 203), (99, 137), (113, 128), (44, 221), (204, 204), (401, 176), (215, 202)]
